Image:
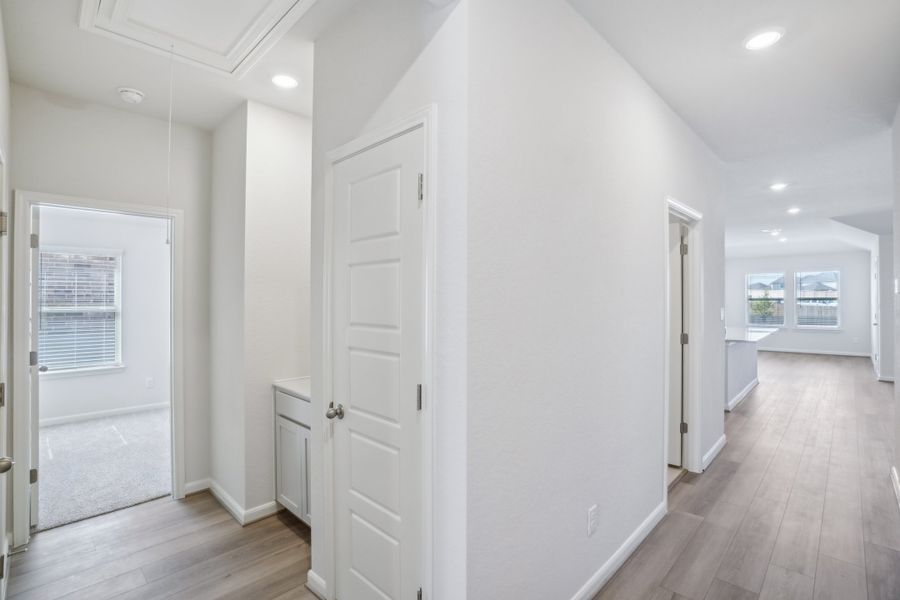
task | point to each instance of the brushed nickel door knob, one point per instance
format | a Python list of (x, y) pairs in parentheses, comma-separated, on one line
[(337, 411)]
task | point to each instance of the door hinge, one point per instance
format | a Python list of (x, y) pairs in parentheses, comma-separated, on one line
[(2, 394), (33, 475), (684, 339), (421, 188), (684, 428), (32, 358), (2, 566), (419, 397), (684, 249), (35, 241), (419, 594), (4, 223)]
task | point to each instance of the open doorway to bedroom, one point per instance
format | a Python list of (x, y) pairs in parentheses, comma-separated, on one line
[(103, 315)]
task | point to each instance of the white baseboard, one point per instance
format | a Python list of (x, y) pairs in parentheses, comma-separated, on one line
[(609, 568), (886, 379), (192, 487), (732, 404), (824, 352), (225, 499), (240, 514), (258, 513), (316, 585), (895, 479), (114, 412), (713, 452)]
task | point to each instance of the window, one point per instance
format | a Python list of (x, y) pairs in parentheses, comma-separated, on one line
[(818, 303), (765, 299), (80, 309)]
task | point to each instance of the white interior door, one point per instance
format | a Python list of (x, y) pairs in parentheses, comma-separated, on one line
[(676, 327), (5, 446), (378, 331), (34, 324), (876, 311)]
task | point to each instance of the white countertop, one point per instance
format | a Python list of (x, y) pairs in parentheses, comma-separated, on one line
[(298, 386), (748, 334)]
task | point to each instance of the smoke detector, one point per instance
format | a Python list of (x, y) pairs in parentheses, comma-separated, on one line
[(131, 95)]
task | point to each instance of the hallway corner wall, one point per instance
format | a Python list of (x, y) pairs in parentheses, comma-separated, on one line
[(896, 170)]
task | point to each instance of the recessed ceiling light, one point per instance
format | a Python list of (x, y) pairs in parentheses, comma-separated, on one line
[(131, 95), (782, 240), (778, 186), (285, 82), (764, 39), (793, 211)]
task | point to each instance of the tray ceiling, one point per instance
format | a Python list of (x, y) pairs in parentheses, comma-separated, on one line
[(199, 32)]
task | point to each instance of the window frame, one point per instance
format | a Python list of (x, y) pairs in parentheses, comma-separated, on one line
[(747, 321), (840, 304), (119, 364)]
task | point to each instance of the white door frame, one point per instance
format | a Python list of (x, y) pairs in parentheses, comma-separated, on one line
[(24, 202), (324, 584), (692, 292)]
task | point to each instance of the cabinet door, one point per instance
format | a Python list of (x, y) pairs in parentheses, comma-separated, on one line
[(289, 465), (304, 477)]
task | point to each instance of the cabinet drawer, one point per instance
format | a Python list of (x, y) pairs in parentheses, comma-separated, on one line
[(295, 409)]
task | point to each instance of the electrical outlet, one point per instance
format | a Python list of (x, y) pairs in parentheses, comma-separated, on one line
[(593, 520), (150, 383)]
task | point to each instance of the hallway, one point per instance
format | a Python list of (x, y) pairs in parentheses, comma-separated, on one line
[(798, 505)]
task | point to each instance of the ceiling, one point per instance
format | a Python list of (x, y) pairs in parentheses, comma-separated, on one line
[(814, 110), (221, 57)]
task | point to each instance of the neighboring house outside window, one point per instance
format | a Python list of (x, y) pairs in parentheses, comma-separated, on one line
[(80, 303), (765, 299), (818, 299)]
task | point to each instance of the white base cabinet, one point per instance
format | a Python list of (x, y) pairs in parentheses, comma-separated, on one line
[(292, 439)]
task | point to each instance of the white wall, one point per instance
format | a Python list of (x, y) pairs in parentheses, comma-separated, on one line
[(383, 61), (571, 157), (896, 303), (145, 315), (226, 306), (260, 290), (65, 146), (854, 335), (276, 278)]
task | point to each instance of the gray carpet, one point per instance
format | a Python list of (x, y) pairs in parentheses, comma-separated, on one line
[(94, 467)]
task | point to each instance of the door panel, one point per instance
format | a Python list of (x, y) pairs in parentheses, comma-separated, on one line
[(5, 445), (676, 325), (378, 295), (34, 323), (289, 471)]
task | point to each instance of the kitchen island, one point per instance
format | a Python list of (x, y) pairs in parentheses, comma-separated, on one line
[(742, 374)]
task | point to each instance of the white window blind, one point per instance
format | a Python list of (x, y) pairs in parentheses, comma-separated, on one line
[(80, 309)]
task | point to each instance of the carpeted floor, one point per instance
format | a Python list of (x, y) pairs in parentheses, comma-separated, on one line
[(94, 467)]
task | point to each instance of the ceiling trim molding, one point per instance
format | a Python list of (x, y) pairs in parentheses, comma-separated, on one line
[(112, 19)]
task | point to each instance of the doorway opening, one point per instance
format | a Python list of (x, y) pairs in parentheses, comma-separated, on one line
[(96, 320), (103, 320), (684, 344)]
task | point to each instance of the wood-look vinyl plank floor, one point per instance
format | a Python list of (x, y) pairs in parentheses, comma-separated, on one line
[(189, 549), (798, 505)]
